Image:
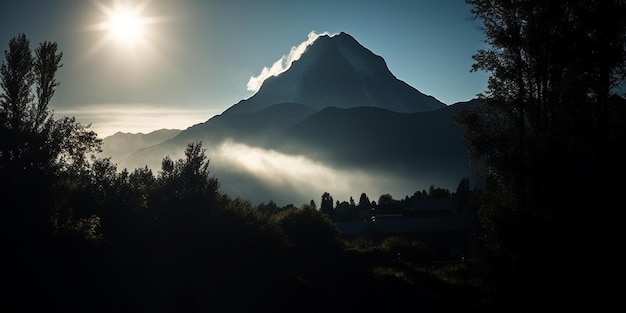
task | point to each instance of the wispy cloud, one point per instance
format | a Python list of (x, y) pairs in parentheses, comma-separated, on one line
[(107, 119), (282, 64)]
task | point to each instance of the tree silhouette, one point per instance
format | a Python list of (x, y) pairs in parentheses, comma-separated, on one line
[(44, 243), (185, 194), (541, 134), (327, 205), (438, 192), (34, 147), (364, 201), (386, 202)]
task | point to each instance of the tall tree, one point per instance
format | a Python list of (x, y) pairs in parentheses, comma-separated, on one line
[(186, 190), (30, 135), (364, 201), (326, 205), (34, 147), (16, 81), (39, 156), (47, 63), (543, 132)]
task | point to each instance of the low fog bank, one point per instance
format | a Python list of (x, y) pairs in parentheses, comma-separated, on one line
[(260, 175)]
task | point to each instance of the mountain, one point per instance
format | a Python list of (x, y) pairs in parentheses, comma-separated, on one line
[(336, 121), (120, 145), (338, 71), (410, 144)]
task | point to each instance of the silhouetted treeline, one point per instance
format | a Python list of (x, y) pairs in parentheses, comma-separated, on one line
[(435, 201)]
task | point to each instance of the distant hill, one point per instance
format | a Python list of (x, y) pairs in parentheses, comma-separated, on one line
[(424, 144), (120, 145), (337, 120)]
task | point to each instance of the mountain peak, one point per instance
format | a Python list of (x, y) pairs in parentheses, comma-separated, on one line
[(338, 71)]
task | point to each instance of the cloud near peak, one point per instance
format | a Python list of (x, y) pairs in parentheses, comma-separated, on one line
[(282, 64)]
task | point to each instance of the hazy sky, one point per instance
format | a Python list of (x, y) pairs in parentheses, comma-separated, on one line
[(190, 59)]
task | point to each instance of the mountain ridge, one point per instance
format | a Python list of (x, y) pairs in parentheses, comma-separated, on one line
[(338, 71), (120, 145)]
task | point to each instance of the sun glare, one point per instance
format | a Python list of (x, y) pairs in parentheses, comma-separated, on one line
[(125, 23)]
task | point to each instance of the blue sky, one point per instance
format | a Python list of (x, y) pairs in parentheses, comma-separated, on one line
[(193, 59)]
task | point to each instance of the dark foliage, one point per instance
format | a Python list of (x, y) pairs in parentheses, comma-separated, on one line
[(547, 135)]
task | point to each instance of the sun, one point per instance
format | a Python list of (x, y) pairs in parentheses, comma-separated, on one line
[(124, 23)]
